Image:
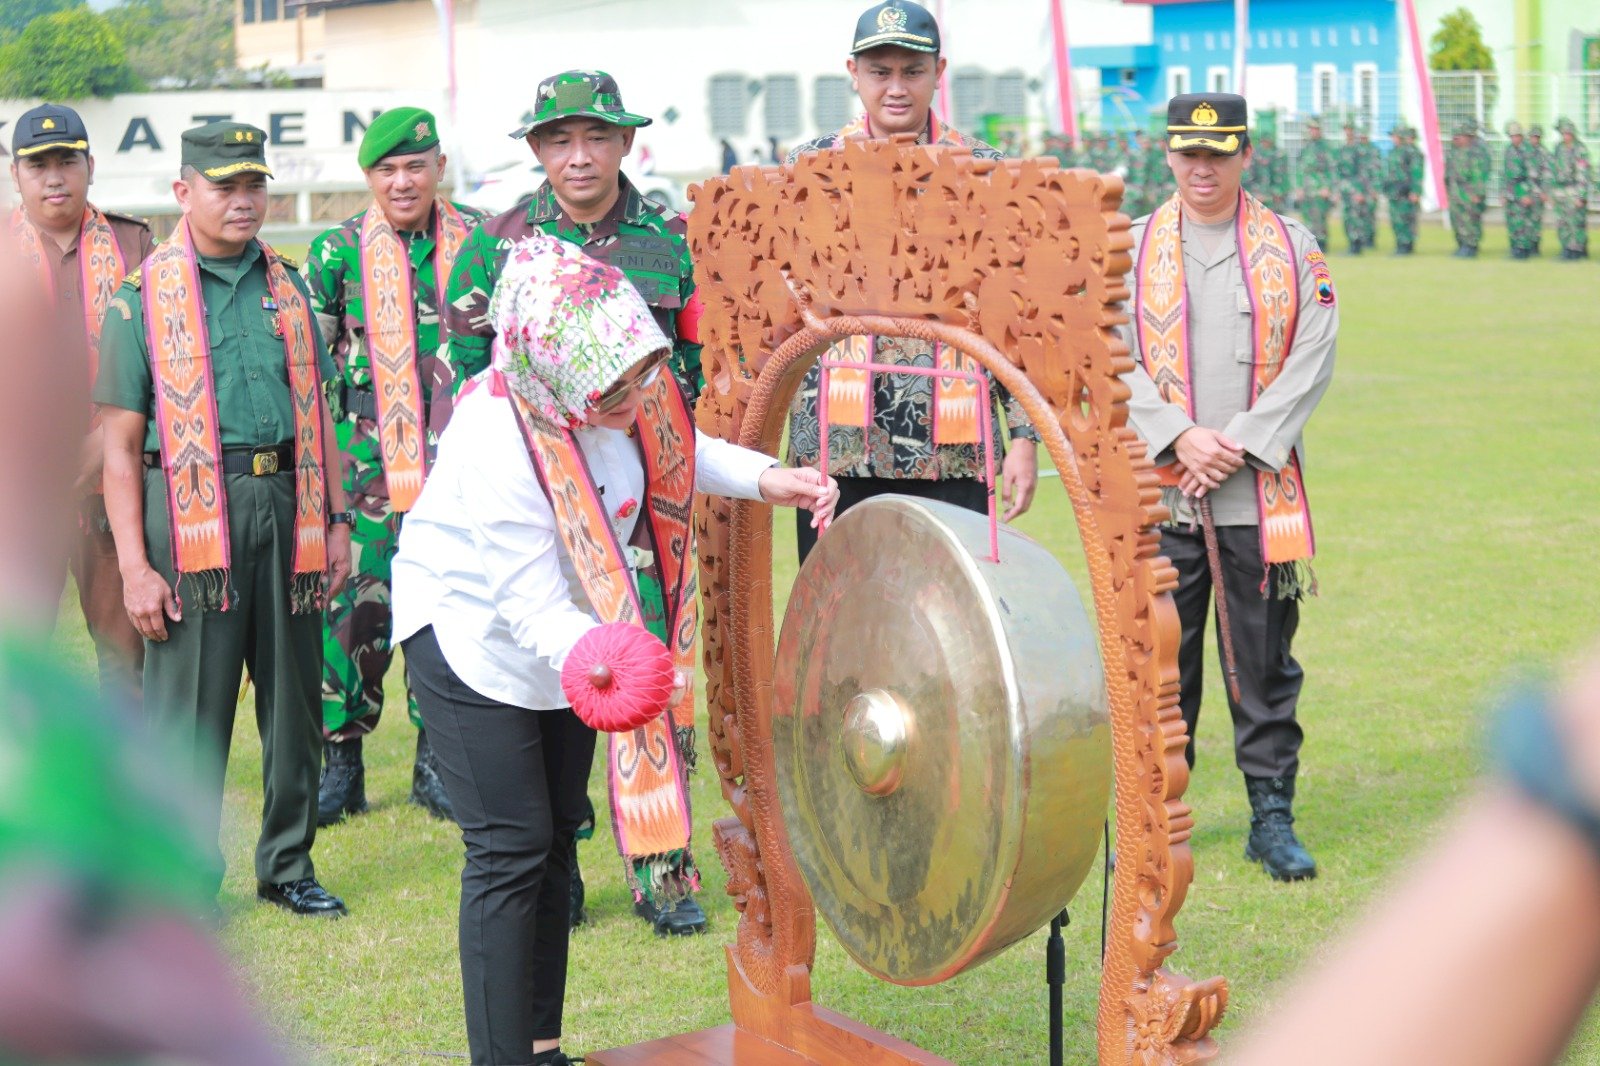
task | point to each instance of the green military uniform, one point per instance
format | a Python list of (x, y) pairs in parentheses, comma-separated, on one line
[(1542, 165), (645, 240), (1466, 182), (1569, 189), (1358, 169), (1402, 184), (1519, 191), (1315, 189), (191, 680), (1267, 177), (356, 648)]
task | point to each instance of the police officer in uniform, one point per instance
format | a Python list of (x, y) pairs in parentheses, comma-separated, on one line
[(1224, 430), (80, 254), (400, 157), (224, 436), (581, 133)]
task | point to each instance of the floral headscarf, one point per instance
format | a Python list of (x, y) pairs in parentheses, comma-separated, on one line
[(566, 328)]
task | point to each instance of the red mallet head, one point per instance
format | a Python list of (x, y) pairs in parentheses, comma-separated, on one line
[(618, 677)]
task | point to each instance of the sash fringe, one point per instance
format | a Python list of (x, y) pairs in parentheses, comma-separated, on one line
[(1289, 581), (307, 593), (209, 590), (665, 878), (684, 737)]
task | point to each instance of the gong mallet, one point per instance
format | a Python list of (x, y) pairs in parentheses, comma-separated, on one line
[(1224, 630), (1055, 975)]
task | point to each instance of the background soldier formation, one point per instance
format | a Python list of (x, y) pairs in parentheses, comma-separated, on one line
[(1359, 170), (1402, 184)]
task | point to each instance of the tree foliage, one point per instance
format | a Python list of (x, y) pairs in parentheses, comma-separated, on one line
[(176, 43), (65, 56), (1458, 44), (16, 14)]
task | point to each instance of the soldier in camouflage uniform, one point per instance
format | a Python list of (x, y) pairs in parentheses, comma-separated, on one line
[(1569, 189), (1267, 176), (1314, 191), (581, 133), (400, 157), (1358, 167), (1519, 191), (1542, 164), (1466, 183), (1402, 184)]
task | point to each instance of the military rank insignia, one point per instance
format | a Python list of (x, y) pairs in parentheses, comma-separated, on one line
[(1321, 278)]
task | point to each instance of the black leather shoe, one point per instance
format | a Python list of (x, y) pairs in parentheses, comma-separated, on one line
[(303, 897), (343, 787), (684, 918), (575, 897), (1272, 841), (427, 790)]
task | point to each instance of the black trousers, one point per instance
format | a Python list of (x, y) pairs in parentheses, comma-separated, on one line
[(968, 492), (516, 779), (1266, 736)]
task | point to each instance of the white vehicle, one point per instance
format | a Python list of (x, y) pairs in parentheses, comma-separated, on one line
[(499, 188)]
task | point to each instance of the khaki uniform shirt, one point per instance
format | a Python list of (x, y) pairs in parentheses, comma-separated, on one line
[(1222, 371)]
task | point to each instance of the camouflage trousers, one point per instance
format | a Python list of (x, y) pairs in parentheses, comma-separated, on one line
[(359, 622), (1571, 218), (1522, 230), (1315, 211), (1466, 219), (1403, 217), (1360, 223), (1536, 219)]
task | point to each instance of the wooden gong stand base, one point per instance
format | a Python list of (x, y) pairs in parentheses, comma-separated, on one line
[(773, 1033)]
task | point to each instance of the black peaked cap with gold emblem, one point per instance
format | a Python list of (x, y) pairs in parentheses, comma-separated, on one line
[(46, 127), (219, 150), (1214, 122), (898, 24)]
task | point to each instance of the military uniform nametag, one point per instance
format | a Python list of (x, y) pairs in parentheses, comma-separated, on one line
[(651, 255)]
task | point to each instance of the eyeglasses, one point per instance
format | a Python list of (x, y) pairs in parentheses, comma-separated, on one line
[(618, 394)]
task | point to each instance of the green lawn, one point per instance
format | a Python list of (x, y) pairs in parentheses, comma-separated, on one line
[(1456, 494)]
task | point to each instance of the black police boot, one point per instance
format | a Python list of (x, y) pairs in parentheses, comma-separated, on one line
[(1272, 841), (683, 918), (343, 788), (427, 791), (575, 892)]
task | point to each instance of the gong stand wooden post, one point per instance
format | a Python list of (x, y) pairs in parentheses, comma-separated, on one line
[(1019, 264)]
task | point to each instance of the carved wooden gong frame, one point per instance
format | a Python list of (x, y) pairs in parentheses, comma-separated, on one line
[(1020, 264)]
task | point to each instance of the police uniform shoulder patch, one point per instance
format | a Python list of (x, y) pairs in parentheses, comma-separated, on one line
[(1321, 277)]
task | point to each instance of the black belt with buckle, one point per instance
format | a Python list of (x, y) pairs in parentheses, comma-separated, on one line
[(258, 462), (363, 403)]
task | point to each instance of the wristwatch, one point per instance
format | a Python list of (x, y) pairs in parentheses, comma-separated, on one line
[(342, 518)]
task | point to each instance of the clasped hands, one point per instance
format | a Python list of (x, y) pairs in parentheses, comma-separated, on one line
[(1206, 459)]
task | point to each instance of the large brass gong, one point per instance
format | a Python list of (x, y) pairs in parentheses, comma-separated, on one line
[(940, 733)]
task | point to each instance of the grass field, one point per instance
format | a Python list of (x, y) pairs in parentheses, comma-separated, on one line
[(1453, 475)]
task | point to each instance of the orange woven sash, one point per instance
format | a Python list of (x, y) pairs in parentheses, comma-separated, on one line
[(389, 303), (189, 428), (1161, 323), (100, 264), (955, 400), (647, 773)]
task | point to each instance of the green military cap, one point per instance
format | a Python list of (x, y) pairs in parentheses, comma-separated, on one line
[(1217, 122), (48, 126), (1513, 129), (1314, 124), (219, 150), (1349, 125), (1469, 128), (398, 131), (1566, 125), (1536, 131), (578, 94)]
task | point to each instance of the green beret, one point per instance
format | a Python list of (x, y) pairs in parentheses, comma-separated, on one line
[(399, 131)]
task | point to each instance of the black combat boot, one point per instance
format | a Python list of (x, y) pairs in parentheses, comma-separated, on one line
[(427, 791), (343, 788), (1272, 841), (683, 918)]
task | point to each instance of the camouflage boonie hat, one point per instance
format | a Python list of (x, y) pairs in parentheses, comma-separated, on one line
[(1535, 131), (578, 94), (1469, 128), (1566, 125), (1513, 129)]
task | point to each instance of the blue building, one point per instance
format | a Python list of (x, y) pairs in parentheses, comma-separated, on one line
[(1338, 58)]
